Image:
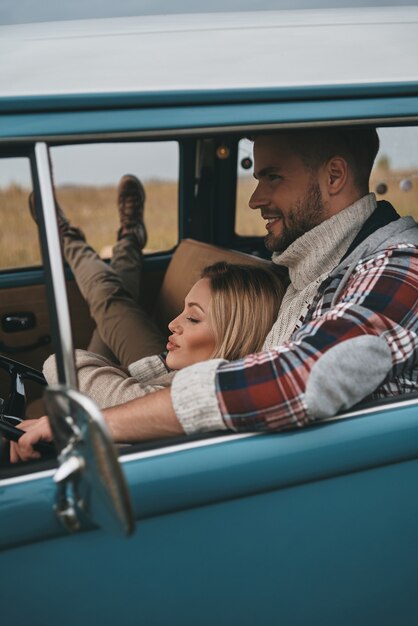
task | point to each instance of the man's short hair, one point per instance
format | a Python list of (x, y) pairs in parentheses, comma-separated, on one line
[(358, 145)]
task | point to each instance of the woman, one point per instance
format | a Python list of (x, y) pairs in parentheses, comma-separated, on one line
[(227, 314)]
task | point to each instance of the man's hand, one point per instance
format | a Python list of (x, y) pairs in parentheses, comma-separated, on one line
[(34, 431), (149, 417)]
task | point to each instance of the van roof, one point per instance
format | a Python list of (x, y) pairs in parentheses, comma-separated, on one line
[(211, 52)]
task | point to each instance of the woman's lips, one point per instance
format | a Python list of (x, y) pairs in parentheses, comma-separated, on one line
[(171, 346)]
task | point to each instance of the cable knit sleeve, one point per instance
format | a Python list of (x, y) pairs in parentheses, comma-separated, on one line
[(106, 383)]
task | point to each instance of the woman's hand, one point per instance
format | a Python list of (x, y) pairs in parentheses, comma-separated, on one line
[(34, 431)]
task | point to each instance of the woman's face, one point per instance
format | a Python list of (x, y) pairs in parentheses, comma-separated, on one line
[(192, 339)]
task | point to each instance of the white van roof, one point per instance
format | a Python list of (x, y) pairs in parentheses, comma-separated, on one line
[(211, 52)]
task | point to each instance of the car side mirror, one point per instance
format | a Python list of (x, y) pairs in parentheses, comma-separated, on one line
[(89, 478)]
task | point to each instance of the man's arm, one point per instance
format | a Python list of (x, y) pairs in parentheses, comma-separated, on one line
[(363, 340), (144, 418), (149, 417)]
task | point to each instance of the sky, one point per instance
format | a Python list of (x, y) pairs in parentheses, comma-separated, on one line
[(23, 11)]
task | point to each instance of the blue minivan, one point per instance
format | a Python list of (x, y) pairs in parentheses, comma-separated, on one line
[(316, 526)]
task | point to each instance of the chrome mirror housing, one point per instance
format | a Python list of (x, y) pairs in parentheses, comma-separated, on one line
[(89, 478)]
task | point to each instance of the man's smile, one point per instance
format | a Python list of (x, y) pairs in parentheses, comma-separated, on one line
[(271, 220)]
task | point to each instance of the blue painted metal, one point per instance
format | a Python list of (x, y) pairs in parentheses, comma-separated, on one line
[(311, 527), (86, 101), (36, 275), (21, 278), (173, 481), (50, 124)]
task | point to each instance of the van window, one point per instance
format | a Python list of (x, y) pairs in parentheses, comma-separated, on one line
[(247, 222), (395, 174), (19, 242), (86, 179)]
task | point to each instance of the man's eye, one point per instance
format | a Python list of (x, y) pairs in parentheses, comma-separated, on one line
[(193, 320), (273, 177)]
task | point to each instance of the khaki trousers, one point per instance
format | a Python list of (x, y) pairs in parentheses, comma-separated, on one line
[(123, 329)]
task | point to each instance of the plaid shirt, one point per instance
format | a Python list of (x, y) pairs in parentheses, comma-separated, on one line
[(267, 391)]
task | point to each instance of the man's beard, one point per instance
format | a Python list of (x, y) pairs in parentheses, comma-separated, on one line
[(305, 214)]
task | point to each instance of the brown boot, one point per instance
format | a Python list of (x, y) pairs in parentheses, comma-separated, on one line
[(63, 223), (131, 200)]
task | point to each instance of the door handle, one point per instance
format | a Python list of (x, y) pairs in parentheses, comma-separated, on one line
[(15, 322)]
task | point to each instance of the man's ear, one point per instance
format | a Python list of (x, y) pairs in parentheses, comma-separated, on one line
[(336, 175)]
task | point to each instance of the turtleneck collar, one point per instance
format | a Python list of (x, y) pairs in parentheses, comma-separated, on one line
[(318, 251)]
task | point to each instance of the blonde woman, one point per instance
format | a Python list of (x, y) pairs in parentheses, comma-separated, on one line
[(227, 314)]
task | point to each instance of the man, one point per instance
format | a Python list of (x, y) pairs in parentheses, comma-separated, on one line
[(347, 327)]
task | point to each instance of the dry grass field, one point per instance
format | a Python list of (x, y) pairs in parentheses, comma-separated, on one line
[(94, 210)]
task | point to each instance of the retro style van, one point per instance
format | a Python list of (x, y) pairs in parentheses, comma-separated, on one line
[(317, 526)]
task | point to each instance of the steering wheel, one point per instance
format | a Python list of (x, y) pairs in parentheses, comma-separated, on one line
[(12, 409)]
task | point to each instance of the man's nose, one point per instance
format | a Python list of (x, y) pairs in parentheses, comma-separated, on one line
[(257, 199)]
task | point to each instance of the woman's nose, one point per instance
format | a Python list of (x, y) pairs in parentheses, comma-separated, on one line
[(174, 326)]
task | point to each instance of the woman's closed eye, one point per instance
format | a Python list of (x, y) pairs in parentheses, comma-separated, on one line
[(193, 320)]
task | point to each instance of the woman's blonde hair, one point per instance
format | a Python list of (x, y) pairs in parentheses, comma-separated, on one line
[(244, 306)]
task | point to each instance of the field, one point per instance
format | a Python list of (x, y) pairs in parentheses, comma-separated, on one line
[(94, 210)]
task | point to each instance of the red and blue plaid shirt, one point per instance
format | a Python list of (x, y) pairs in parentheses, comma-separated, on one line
[(267, 391)]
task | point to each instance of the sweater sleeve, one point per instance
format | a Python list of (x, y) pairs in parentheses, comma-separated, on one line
[(195, 404), (366, 340), (104, 382)]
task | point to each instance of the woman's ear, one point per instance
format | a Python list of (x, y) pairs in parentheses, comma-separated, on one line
[(336, 174)]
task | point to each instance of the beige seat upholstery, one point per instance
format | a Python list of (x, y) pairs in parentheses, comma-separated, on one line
[(185, 267)]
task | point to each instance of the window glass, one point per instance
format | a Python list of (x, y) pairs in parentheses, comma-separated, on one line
[(247, 222), (395, 174), (86, 179), (19, 243), (394, 177)]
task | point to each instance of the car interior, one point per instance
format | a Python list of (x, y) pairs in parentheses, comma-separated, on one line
[(196, 214)]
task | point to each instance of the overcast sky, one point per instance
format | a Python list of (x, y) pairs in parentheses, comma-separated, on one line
[(22, 11)]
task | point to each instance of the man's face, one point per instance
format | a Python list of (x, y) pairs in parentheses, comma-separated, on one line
[(288, 192)]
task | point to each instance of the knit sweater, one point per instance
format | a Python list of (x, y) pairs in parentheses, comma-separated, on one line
[(310, 259), (109, 385)]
